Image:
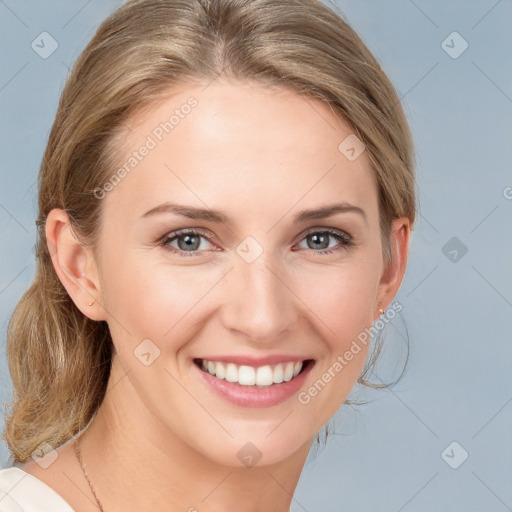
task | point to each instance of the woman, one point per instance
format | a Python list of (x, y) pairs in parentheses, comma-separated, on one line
[(225, 207)]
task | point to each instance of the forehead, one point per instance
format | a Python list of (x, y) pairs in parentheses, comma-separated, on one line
[(239, 144)]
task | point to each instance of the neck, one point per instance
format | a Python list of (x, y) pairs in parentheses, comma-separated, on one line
[(126, 450)]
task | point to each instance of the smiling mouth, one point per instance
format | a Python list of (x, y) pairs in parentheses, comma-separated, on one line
[(255, 377)]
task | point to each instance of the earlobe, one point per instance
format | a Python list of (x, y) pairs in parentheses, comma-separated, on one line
[(74, 264), (394, 270)]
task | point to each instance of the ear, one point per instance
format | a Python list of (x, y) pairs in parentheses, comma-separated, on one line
[(394, 271), (74, 264)]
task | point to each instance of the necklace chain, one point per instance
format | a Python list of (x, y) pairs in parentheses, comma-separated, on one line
[(76, 446)]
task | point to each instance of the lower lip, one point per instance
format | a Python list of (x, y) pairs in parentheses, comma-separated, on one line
[(245, 396)]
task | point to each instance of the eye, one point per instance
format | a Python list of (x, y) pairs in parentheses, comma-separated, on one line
[(319, 239), (188, 242)]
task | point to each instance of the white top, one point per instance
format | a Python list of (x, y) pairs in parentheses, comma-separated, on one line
[(22, 492)]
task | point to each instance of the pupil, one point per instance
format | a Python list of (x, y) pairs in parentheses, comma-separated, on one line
[(317, 238), (189, 242)]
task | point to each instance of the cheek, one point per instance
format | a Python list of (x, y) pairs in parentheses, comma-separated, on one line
[(153, 300), (342, 297)]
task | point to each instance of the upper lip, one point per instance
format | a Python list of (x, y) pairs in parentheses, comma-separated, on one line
[(256, 361)]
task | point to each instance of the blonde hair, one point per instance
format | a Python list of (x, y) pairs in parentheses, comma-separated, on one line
[(59, 360)]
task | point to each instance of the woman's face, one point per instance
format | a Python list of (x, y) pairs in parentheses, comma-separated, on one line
[(252, 279)]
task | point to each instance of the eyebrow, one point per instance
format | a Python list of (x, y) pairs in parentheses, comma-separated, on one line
[(217, 216)]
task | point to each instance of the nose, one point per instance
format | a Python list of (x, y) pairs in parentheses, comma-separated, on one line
[(259, 301)]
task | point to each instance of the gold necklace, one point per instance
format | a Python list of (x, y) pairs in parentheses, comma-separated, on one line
[(78, 454)]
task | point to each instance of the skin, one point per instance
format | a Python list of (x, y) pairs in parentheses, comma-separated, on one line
[(162, 440)]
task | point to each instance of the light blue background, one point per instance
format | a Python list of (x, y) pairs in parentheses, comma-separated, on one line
[(458, 386)]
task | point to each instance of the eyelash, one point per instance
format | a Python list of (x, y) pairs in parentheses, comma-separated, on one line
[(343, 237)]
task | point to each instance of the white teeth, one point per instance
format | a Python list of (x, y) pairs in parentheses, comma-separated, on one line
[(288, 372), (249, 376), (278, 374), (246, 376), (264, 376), (231, 373), (220, 370)]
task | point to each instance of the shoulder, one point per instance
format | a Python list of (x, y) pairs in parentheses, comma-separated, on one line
[(22, 492)]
